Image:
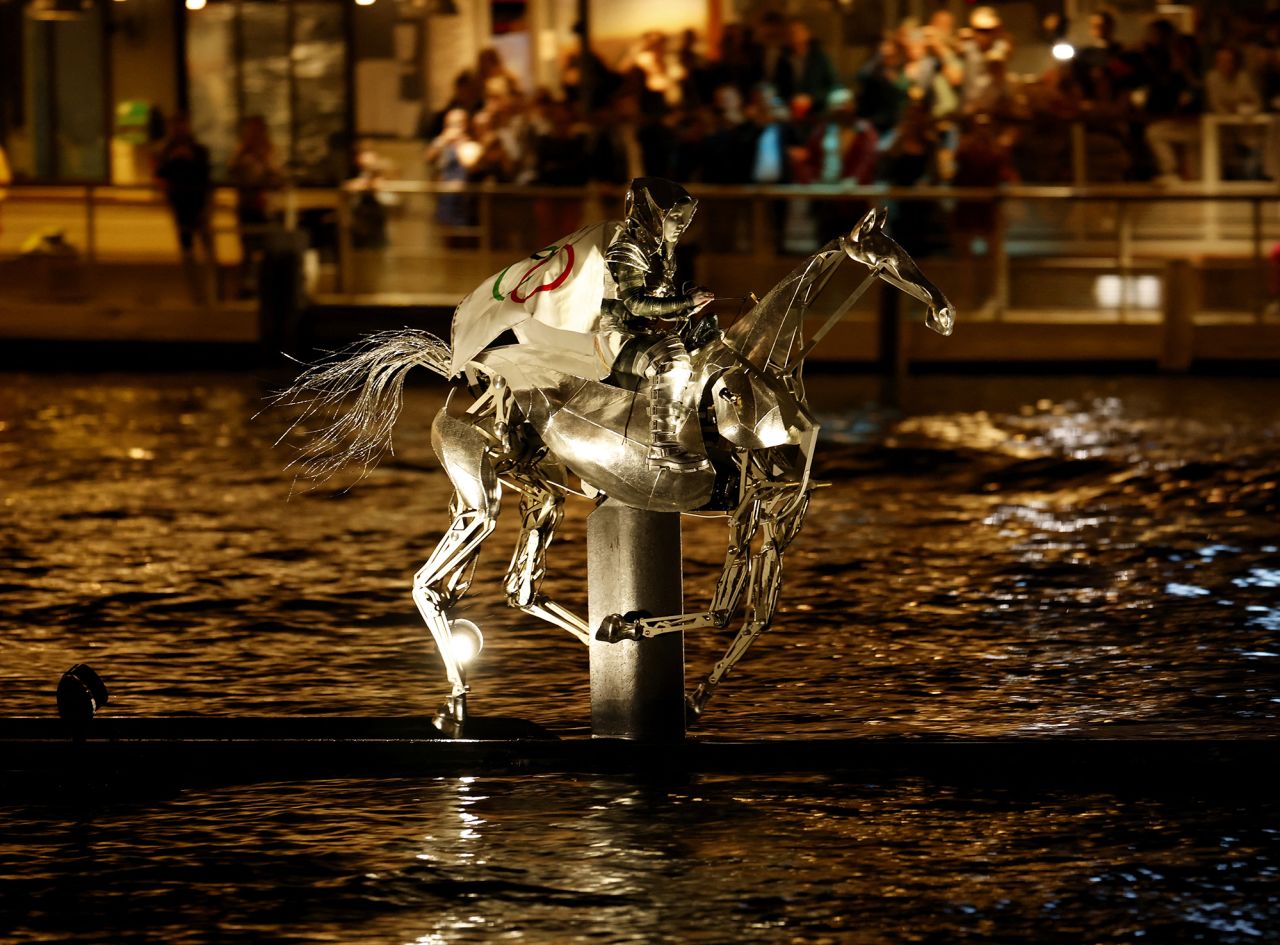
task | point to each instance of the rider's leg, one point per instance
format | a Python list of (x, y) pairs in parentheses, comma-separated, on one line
[(669, 368), (540, 513)]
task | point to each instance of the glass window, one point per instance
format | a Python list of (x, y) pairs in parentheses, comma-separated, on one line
[(283, 61), (67, 118)]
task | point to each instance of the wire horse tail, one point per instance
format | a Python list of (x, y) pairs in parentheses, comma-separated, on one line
[(356, 395)]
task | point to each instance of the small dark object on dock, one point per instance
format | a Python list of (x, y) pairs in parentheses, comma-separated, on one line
[(81, 692)]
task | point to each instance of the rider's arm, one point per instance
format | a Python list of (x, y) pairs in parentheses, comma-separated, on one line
[(636, 299)]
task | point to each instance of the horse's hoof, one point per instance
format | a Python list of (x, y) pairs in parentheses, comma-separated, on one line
[(617, 627), (611, 629), (694, 703), (451, 717)]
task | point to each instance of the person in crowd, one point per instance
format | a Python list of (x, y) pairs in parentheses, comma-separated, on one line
[(182, 164), (922, 69), (1230, 90), (731, 141), (1039, 127), (449, 158), (616, 154), (494, 159), (1268, 65), (493, 75), (769, 113), (803, 66), (655, 73), (982, 159), (843, 147), (910, 159), (561, 160), (882, 88), (997, 93), (802, 125), (692, 127), (256, 174), (468, 95), (1171, 98), (741, 60), (1101, 65), (586, 80), (369, 202), (697, 79), (1107, 127), (984, 41), (771, 35)]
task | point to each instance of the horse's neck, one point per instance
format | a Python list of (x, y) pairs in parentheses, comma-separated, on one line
[(772, 332)]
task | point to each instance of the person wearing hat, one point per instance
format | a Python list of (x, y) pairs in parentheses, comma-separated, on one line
[(982, 42)]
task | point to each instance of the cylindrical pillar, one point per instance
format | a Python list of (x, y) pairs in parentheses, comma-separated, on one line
[(633, 564)]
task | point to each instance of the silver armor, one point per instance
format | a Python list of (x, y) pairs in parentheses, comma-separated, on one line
[(542, 421), (642, 264)]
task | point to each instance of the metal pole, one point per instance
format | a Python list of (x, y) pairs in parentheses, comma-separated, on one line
[(633, 565), (892, 363)]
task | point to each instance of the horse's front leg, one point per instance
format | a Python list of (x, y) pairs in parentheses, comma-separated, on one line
[(781, 520), (724, 601)]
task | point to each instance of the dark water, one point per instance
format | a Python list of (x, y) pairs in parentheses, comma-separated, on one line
[(1007, 555)]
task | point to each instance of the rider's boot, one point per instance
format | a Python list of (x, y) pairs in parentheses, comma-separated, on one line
[(667, 413)]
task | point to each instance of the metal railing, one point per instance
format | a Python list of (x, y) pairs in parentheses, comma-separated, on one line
[(439, 239), (1121, 230)]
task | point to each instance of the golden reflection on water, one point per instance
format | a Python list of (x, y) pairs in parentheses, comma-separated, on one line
[(150, 533), (1009, 555)]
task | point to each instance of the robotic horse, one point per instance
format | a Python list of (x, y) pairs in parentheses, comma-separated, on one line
[(542, 421)]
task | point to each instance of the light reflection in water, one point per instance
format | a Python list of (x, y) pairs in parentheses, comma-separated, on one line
[(1005, 556)]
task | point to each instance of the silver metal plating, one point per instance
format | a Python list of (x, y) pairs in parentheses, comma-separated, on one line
[(549, 419)]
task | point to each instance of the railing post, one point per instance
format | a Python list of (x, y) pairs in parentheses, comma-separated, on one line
[(1259, 266), (1181, 296), (1124, 254), (1001, 251), (346, 280), (486, 220), (90, 242)]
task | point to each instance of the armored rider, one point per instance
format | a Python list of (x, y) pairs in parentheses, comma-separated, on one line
[(646, 326)]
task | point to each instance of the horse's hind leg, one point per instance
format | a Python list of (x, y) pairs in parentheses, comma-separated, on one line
[(540, 513), (441, 582)]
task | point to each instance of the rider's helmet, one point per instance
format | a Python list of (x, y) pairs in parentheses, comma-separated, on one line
[(657, 210)]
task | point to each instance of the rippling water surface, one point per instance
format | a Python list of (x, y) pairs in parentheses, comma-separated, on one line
[(1004, 555)]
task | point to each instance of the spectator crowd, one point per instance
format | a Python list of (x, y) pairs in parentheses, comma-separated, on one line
[(936, 102)]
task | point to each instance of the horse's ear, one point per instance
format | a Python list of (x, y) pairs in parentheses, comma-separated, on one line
[(866, 226), (882, 216)]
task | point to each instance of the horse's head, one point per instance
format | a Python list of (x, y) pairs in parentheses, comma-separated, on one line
[(870, 245)]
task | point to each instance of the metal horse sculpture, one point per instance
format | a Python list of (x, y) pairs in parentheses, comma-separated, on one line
[(543, 423)]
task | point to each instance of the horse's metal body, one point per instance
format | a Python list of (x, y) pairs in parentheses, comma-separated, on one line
[(542, 423)]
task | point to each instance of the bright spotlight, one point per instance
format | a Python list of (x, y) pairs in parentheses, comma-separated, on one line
[(364, 3), (466, 639), (1064, 52), (196, 4)]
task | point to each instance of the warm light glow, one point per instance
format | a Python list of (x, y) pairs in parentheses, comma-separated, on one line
[(196, 4), (1113, 291), (364, 3), (1064, 52), (467, 640)]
